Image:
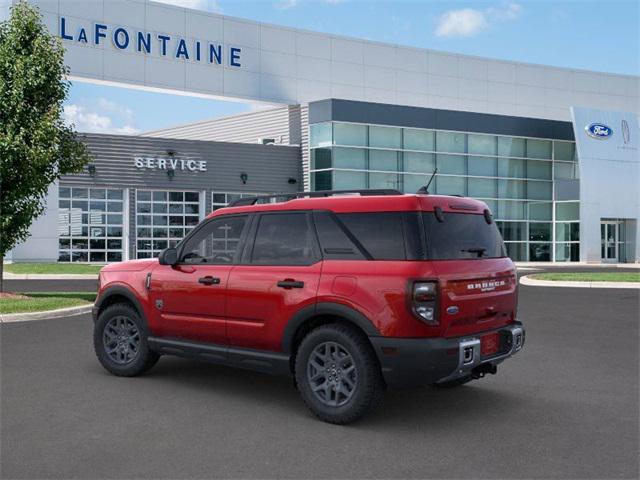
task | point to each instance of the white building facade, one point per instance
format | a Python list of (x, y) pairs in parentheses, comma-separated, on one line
[(553, 151)]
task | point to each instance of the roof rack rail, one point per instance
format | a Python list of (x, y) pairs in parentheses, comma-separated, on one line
[(322, 193)]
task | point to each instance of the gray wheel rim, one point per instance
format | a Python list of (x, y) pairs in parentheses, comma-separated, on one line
[(121, 339), (332, 374)]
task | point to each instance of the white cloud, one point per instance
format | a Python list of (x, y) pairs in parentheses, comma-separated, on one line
[(208, 5), (467, 22), (109, 117), (507, 11), (286, 4)]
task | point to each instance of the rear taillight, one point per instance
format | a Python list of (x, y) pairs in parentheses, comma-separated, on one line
[(423, 301)]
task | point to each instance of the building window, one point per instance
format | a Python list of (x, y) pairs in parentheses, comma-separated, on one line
[(321, 134), (349, 134), (513, 175), (90, 224), (163, 218)]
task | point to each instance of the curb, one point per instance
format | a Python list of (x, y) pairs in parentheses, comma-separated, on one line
[(48, 276), (48, 314), (525, 280)]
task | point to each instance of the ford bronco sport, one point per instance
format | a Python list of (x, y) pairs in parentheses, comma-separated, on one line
[(348, 292)]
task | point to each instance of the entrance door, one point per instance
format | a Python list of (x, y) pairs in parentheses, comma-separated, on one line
[(609, 241)]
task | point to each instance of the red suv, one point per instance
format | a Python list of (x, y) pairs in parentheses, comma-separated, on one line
[(348, 292)]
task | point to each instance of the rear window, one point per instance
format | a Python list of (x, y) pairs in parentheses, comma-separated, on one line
[(462, 236)]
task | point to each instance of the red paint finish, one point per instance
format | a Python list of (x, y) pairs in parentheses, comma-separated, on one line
[(258, 310), (190, 310), (247, 308)]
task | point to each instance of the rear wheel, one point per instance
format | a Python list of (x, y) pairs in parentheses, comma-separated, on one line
[(120, 341), (337, 374)]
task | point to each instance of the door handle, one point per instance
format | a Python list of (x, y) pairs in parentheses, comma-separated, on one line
[(209, 280), (290, 283)]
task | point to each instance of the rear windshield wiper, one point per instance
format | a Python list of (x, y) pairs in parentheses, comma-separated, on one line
[(480, 251)]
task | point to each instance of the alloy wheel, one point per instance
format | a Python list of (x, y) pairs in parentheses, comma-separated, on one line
[(332, 374), (121, 339)]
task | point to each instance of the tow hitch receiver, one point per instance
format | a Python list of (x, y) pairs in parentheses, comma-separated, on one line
[(482, 370)]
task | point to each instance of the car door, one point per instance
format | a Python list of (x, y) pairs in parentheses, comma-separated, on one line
[(278, 275), (189, 298)]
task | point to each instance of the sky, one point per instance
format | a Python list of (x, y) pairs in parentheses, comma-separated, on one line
[(601, 35)]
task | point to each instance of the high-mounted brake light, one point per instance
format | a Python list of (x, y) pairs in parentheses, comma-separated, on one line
[(423, 301)]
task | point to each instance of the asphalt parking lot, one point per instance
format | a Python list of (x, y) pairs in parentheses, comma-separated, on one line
[(565, 407)]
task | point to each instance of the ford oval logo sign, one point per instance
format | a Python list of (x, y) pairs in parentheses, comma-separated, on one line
[(599, 131)]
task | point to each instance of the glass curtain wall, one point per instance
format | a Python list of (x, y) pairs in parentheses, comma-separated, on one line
[(513, 175)]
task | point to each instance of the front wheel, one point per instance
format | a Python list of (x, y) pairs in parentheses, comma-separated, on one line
[(120, 341), (337, 374)]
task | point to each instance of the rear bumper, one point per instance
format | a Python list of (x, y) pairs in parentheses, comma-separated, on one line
[(422, 361)]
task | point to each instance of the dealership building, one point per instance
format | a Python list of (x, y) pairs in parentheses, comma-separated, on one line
[(554, 152)]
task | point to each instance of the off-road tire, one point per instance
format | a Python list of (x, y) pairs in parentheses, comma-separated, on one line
[(369, 385), (143, 360)]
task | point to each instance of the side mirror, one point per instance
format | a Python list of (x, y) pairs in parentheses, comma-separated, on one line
[(168, 256)]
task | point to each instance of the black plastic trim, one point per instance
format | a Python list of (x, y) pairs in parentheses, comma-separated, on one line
[(410, 362), (250, 359), (117, 290), (325, 308)]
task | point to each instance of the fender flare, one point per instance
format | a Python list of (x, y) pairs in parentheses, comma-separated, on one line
[(325, 308), (118, 290)]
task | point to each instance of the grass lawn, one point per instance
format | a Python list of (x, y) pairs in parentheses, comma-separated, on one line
[(42, 301), (589, 276), (51, 268)]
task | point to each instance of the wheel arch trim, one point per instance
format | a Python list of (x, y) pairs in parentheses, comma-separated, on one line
[(120, 291), (325, 308)]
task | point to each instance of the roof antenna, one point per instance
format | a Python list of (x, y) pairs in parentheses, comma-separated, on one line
[(425, 190)]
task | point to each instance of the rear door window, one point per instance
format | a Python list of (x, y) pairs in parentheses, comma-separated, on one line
[(462, 236), (284, 239)]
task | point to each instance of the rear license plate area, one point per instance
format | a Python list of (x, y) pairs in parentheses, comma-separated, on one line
[(490, 344)]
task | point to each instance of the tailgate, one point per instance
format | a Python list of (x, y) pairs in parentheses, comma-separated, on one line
[(476, 295)]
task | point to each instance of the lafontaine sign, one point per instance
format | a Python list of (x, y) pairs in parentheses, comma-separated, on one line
[(171, 163), (160, 44)]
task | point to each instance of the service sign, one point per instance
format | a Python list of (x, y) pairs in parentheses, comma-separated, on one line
[(171, 163)]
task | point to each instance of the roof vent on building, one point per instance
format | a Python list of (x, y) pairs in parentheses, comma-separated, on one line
[(267, 141)]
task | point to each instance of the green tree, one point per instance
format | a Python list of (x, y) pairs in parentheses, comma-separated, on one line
[(36, 147)]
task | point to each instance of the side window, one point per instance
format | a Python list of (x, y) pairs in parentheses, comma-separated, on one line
[(334, 241), (381, 234), (284, 239), (216, 243)]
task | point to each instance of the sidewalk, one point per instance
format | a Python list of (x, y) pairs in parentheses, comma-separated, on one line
[(50, 276), (526, 280), (46, 315), (577, 265)]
